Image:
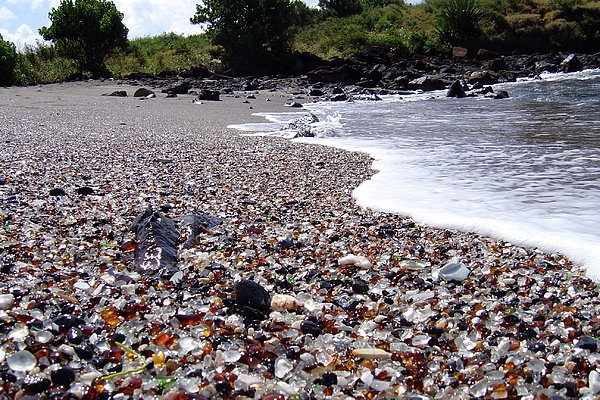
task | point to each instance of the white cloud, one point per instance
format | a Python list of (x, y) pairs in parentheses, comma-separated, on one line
[(153, 17), (32, 4), (6, 15), (22, 37)]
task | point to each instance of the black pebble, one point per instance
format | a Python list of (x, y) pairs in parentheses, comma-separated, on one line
[(35, 384), (63, 376), (85, 191), (251, 294), (310, 328), (588, 343), (329, 379), (68, 321), (359, 286), (57, 192)]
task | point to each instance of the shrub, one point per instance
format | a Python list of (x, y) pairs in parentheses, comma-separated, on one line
[(459, 21), (8, 62), (86, 31)]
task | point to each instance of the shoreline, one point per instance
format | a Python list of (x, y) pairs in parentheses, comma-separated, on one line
[(523, 323)]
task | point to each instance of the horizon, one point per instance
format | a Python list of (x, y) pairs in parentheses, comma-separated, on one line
[(21, 19)]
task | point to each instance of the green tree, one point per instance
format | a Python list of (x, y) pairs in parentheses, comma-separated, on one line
[(8, 62), (252, 33), (342, 8), (459, 21), (86, 31)]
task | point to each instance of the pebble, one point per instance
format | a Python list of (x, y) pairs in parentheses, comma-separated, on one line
[(375, 320), (252, 294), (455, 271), (356, 261), (371, 354), (21, 361), (6, 301)]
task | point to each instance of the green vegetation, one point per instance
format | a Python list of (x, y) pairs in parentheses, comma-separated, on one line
[(8, 62), (267, 32), (86, 31), (252, 34)]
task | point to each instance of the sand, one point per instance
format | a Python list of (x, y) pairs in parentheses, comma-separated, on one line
[(369, 312)]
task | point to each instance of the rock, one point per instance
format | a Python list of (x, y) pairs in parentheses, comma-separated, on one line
[(371, 354), (359, 286), (455, 271), (182, 88), (356, 261), (294, 104), (545, 66), (498, 64), (303, 125), (251, 294), (571, 64), (118, 93), (503, 94), (209, 95), (456, 90), (399, 83), (6, 301), (339, 97), (309, 327), (21, 361), (594, 382), (588, 343), (85, 191), (143, 92), (344, 73), (63, 376), (36, 384), (57, 192), (281, 302), (459, 52), (484, 77), (171, 95), (157, 237), (316, 93), (427, 84)]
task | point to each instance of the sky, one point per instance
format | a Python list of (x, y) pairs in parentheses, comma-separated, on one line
[(20, 19)]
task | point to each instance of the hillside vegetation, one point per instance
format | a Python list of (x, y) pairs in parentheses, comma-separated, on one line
[(433, 27)]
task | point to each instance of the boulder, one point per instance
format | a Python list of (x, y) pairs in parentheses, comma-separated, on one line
[(209, 95), (143, 92), (498, 64), (571, 64), (427, 84), (343, 73), (456, 90), (182, 88), (118, 93), (545, 66), (484, 77)]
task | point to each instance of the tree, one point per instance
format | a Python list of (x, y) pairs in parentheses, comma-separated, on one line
[(8, 62), (342, 8), (252, 33), (86, 31)]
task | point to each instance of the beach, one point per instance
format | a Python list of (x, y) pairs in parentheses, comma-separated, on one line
[(360, 304)]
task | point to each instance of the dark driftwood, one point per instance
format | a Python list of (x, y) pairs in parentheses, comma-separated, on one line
[(158, 239)]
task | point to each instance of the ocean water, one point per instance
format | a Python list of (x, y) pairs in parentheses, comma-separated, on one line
[(524, 169)]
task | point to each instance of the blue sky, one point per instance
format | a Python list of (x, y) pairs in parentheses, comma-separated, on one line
[(20, 19)]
